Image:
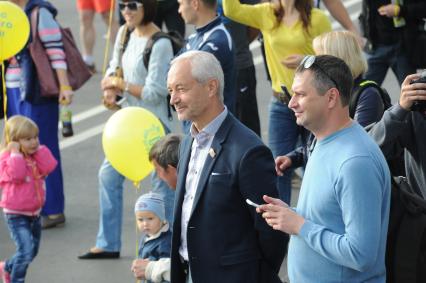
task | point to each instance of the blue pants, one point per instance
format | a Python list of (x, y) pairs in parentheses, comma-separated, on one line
[(283, 136), (111, 205), (25, 231), (388, 56), (46, 116)]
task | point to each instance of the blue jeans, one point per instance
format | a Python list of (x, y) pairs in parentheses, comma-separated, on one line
[(283, 136), (25, 231), (111, 205), (388, 56)]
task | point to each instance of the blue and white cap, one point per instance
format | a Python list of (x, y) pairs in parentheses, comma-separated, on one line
[(151, 202)]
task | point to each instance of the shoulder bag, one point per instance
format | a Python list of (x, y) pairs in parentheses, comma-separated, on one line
[(77, 71)]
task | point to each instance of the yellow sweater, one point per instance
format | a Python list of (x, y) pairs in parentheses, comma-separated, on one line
[(280, 41)]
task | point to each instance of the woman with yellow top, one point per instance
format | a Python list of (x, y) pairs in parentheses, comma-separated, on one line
[(288, 28)]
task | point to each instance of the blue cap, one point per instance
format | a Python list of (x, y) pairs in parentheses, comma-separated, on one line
[(151, 202)]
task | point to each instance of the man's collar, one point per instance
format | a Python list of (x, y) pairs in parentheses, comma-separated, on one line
[(217, 20), (210, 129)]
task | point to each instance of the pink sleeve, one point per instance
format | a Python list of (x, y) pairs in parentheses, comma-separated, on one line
[(45, 160), (12, 168)]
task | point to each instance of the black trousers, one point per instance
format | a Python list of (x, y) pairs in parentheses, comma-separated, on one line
[(246, 104)]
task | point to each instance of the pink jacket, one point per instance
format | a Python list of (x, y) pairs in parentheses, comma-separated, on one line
[(22, 179)]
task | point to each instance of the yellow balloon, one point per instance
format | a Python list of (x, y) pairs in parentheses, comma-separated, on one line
[(14, 29), (128, 136)]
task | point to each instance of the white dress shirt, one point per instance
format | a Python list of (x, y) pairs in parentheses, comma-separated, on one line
[(199, 151)]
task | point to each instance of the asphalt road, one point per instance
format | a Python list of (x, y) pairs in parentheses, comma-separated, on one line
[(81, 158)]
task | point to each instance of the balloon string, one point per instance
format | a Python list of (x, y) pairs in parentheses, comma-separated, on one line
[(137, 188), (108, 39), (3, 83)]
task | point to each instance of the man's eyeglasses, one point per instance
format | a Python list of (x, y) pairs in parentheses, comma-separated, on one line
[(132, 6), (309, 61)]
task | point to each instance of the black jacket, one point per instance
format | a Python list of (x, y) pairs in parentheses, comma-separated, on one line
[(228, 241), (380, 29)]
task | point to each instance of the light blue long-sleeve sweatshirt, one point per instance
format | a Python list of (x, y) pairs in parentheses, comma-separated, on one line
[(154, 82), (345, 199)]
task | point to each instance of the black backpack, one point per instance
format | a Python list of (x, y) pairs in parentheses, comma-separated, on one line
[(360, 88), (177, 43), (175, 38), (406, 238), (396, 164)]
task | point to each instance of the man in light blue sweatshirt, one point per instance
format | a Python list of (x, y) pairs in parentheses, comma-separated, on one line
[(338, 230)]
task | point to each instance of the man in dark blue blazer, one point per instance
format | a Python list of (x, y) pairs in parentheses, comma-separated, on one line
[(217, 236)]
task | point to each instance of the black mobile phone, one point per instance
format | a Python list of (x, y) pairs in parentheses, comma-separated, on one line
[(286, 92), (419, 105), (119, 99)]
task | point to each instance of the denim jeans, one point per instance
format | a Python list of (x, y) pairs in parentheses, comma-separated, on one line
[(25, 231), (283, 136), (111, 205), (388, 56)]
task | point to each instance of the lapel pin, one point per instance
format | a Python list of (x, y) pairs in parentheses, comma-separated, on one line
[(212, 152)]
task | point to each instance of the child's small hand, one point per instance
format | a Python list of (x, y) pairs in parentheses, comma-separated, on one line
[(14, 147), (138, 268)]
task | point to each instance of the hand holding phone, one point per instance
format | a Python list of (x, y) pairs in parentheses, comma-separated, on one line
[(252, 203), (119, 100)]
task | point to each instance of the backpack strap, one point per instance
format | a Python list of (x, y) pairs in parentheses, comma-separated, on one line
[(148, 47), (34, 21), (124, 40), (353, 102), (384, 95), (147, 55)]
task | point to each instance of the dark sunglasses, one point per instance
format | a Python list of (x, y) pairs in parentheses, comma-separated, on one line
[(309, 61), (132, 6)]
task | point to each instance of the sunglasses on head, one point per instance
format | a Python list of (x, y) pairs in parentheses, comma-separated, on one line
[(309, 61), (132, 6)]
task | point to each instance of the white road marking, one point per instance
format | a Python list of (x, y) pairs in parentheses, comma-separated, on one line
[(68, 142), (87, 114)]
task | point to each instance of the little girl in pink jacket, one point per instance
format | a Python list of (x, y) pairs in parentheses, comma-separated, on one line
[(24, 164)]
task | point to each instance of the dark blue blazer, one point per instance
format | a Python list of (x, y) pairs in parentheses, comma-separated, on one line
[(227, 240)]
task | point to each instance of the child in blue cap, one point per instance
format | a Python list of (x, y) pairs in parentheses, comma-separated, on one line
[(153, 263)]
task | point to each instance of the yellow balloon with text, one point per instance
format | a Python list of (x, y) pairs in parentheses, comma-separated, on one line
[(127, 139), (14, 29)]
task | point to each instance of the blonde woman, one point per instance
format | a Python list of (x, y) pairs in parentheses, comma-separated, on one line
[(288, 28), (368, 108)]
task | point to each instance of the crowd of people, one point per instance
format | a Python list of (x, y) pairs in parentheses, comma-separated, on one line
[(196, 223)]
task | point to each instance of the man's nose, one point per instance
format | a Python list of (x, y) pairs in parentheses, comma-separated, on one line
[(173, 98), (292, 102)]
